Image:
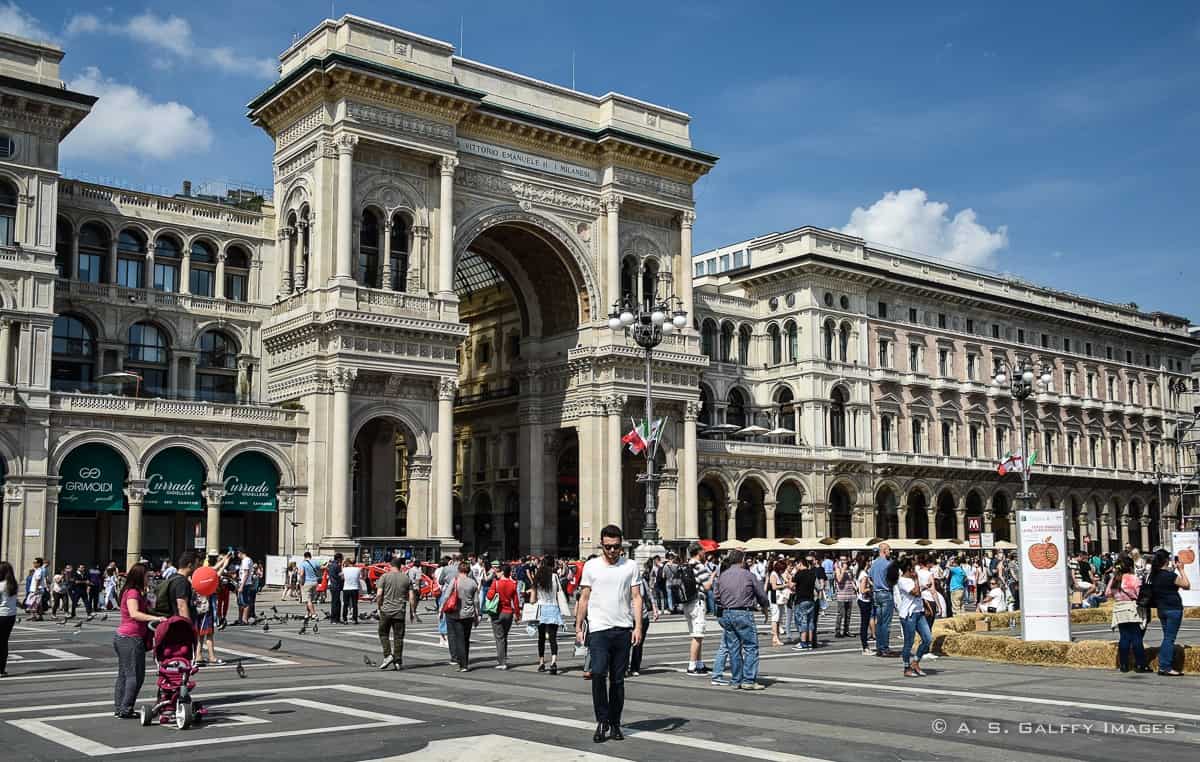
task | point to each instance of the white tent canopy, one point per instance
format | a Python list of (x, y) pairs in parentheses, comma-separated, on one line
[(833, 544)]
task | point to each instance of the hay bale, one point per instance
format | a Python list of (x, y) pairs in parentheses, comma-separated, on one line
[(1047, 652), (1191, 612), (1101, 615), (1092, 653), (976, 646)]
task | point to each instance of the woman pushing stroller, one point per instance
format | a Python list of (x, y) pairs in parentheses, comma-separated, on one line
[(130, 642)]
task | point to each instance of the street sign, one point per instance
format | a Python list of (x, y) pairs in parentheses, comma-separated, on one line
[(975, 541), (974, 523), (987, 540)]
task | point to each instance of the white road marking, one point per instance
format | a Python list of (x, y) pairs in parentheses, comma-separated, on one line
[(206, 697), (818, 652), (111, 672), (546, 719), (92, 748), (48, 654), (492, 747)]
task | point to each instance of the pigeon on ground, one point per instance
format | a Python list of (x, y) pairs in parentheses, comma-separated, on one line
[(278, 645), (104, 617), (90, 617), (78, 625), (266, 628), (275, 611), (222, 625), (303, 629), (367, 661), (315, 628), (241, 671)]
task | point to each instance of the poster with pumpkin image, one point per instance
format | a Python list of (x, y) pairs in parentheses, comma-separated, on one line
[(1045, 602), (1186, 547)]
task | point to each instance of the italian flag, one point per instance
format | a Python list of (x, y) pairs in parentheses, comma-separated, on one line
[(642, 436), (1015, 464)]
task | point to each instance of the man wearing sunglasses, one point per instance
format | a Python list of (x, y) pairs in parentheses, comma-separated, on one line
[(610, 608)]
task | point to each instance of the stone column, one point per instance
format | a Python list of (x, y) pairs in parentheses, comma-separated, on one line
[(611, 203), (219, 286), (443, 461), (1124, 526), (687, 219), (148, 275), (74, 272), (12, 545), (961, 512), (213, 495), (5, 337), (300, 281), (112, 262), (931, 522), (385, 256), (345, 208), (612, 457), (136, 494), (445, 282), (1145, 523), (339, 447), (769, 511), (533, 470), (1104, 528), (902, 521), (689, 500), (185, 272), (731, 510), (173, 375), (420, 468), (549, 459)]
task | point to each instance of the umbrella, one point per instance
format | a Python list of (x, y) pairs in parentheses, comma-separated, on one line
[(122, 377), (752, 431), (710, 545), (781, 431), (723, 428)]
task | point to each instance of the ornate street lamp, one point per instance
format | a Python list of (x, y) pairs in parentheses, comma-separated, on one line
[(659, 314), (1020, 382)]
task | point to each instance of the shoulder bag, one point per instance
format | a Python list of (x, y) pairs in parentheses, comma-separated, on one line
[(451, 602)]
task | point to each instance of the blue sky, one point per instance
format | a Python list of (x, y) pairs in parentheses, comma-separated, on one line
[(1056, 141)]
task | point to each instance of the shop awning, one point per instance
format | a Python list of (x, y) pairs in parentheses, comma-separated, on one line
[(92, 478), (175, 482), (251, 484)]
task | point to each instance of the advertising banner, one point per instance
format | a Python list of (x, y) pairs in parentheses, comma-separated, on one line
[(175, 482), (1045, 601), (1186, 547), (250, 483), (92, 478)]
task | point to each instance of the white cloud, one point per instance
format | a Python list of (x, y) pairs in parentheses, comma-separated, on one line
[(127, 122), (17, 22), (907, 219), (173, 34)]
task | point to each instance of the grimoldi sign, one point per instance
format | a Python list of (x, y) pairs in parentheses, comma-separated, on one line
[(92, 478), (251, 483), (528, 160), (175, 482)]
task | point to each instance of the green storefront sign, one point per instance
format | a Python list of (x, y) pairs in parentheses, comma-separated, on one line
[(251, 483), (92, 478), (175, 482)]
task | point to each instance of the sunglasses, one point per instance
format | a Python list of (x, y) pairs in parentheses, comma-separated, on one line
[(608, 548)]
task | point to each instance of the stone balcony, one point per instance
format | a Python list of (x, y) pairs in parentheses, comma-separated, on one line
[(724, 304), (181, 410), (186, 211), (19, 258), (773, 450), (350, 296), (113, 294)]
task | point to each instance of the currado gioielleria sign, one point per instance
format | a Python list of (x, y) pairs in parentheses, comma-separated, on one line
[(251, 483)]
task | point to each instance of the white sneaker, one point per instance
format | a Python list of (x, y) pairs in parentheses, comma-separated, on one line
[(387, 662), (868, 652), (931, 657)]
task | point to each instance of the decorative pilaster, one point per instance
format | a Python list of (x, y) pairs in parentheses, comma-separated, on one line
[(446, 228), (339, 447), (219, 286), (611, 203), (285, 237), (135, 495), (345, 207), (5, 337), (690, 497), (385, 257), (213, 495), (687, 219), (301, 267), (612, 452), (443, 462)]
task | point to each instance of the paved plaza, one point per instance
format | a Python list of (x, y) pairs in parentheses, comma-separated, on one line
[(316, 697)]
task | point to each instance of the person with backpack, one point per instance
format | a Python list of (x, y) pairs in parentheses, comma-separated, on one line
[(308, 590), (804, 590), (695, 580), (884, 576), (502, 604), (173, 595), (670, 573)]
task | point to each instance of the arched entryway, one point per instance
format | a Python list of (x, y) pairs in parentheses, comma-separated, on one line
[(975, 508), (1002, 517), (174, 510), (840, 515), (751, 511), (917, 519), (249, 508), (711, 503), (946, 520), (789, 520), (887, 514), (384, 451), (567, 513), (92, 521)]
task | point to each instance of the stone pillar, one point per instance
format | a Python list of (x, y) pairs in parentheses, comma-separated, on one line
[(300, 280), (689, 499), (769, 511), (112, 261), (612, 458), (385, 256), (931, 522), (12, 544), (445, 282), (185, 272), (549, 459), (1145, 523), (345, 208), (1104, 528), (173, 375), (5, 334), (339, 448), (902, 521), (687, 219), (213, 495), (148, 274), (590, 426), (533, 471), (731, 528), (961, 513), (443, 461), (420, 523), (219, 286), (136, 494), (611, 203), (1124, 526), (864, 520)]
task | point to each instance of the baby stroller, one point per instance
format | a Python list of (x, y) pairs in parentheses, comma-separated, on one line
[(174, 650)]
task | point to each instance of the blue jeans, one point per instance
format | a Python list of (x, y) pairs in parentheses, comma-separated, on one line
[(740, 639), (670, 599), (712, 601), (718, 667), (912, 625), (1170, 620), (1131, 641), (883, 618), (804, 615), (609, 654)]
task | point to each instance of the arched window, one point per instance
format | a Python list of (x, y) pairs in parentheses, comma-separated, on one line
[(649, 281), (368, 250), (202, 270), (744, 345), (8, 213), (788, 516), (237, 274), (168, 258), (726, 342), (398, 256), (148, 358), (707, 412), (837, 418), (131, 259), (785, 412), (736, 412), (793, 339), (63, 234), (93, 253), (629, 270), (216, 368), (830, 331), (73, 355), (708, 339), (776, 344), (844, 342)]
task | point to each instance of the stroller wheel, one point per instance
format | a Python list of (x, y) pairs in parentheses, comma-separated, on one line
[(183, 715), (144, 716)]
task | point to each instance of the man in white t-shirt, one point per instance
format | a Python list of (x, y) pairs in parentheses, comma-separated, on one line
[(610, 603), (245, 592), (37, 589), (694, 609)]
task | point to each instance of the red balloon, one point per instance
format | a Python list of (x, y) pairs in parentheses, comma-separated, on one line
[(204, 581)]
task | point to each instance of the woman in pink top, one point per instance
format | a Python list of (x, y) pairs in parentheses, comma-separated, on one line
[(1123, 589), (130, 643)]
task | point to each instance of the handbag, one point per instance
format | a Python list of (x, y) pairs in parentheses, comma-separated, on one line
[(561, 597), (491, 606), (451, 602), (1125, 612), (529, 612)]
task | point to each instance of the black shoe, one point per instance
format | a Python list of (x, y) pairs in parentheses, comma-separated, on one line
[(601, 731), (1143, 670), (1124, 667), (614, 732)]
